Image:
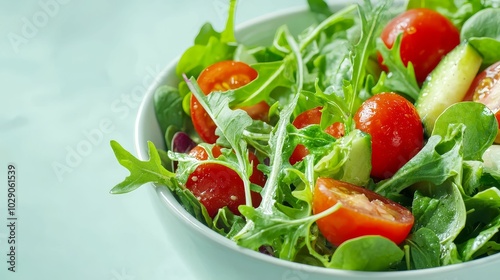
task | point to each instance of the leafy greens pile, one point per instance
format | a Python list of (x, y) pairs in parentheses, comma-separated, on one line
[(454, 197)]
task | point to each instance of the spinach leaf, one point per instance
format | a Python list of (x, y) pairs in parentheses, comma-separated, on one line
[(482, 31), (425, 249), (441, 209), (367, 253), (169, 112), (458, 11), (469, 249), (480, 127)]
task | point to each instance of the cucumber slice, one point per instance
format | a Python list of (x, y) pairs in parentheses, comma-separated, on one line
[(356, 147), (447, 83)]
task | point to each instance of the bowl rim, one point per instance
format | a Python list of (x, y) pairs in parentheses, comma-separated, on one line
[(168, 200)]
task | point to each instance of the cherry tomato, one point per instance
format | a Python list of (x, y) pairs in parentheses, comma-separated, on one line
[(486, 89), (223, 76), (396, 131), (216, 185), (312, 116), (427, 37), (363, 212)]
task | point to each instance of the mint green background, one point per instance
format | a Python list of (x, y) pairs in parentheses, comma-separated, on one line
[(72, 74)]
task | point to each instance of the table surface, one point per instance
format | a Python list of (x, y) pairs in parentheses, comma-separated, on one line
[(73, 74)]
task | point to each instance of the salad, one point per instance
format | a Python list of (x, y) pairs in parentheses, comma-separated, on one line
[(366, 142)]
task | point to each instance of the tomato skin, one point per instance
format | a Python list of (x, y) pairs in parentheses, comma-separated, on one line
[(223, 76), (486, 89), (358, 216), (216, 185), (427, 37), (396, 132), (312, 116)]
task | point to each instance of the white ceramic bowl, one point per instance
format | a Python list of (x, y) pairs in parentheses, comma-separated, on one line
[(213, 256)]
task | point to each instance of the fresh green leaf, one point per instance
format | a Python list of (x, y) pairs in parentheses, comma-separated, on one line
[(438, 160), (441, 209), (271, 75), (400, 79), (230, 126), (227, 35), (320, 8), (482, 30), (141, 172), (368, 253), (206, 31), (486, 47), (169, 112), (469, 249), (425, 249), (365, 48), (198, 57), (458, 11), (480, 125)]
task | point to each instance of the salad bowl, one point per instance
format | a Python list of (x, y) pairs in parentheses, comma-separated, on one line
[(210, 255)]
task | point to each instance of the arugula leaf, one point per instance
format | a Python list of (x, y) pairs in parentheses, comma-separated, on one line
[(227, 35), (258, 219), (230, 126), (271, 75), (141, 172), (401, 78), (152, 171), (365, 47), (438, 160), (367, 253)]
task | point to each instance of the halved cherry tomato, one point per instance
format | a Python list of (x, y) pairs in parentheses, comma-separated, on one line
[(396, 131), (427, 37), (486, 89), (363, 212), (223, 76), (216, 185), (312, 116)]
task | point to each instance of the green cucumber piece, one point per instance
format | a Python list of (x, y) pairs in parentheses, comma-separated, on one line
[(356, 148), (447, 84)]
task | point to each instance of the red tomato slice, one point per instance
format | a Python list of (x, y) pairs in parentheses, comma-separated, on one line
[(216, 186), (223, 76), (486, 89), (363, 212), (396, 132), (312, 116), (427, 37)]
